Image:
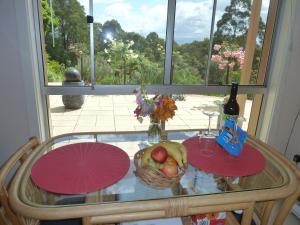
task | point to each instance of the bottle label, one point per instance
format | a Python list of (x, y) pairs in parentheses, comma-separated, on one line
[(230, 117)]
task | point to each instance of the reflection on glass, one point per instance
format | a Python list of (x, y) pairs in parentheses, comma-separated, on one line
[(66, 39), (129, 39)]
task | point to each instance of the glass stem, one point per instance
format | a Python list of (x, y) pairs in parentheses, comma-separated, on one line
[(209, 118)]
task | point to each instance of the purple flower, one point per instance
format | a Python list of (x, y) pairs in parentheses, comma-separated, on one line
[(139, 99), (147, 108)]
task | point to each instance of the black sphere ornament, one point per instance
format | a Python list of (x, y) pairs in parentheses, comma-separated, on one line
[(72, 75)]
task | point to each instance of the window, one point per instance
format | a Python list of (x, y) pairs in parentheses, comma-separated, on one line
[(186, 47), (66, 38), (129, 41)]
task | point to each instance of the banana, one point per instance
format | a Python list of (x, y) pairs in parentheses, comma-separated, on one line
[(183, 150), (173, 151)]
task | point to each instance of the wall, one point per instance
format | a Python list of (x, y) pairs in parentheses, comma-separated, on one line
[(280, 126), (19, 108)]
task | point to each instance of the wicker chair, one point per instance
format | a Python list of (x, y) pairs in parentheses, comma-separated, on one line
[(7, 216)]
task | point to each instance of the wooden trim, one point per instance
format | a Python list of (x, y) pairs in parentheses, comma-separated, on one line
[(267, 212), (2, 218), (248, 214), (249, 51), (161, 214), (251, 41), (230, 219), (257, 101), (265, 55), (254, 115), (246, 72)]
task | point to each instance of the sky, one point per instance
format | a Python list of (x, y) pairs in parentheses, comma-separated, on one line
[(192, 20)]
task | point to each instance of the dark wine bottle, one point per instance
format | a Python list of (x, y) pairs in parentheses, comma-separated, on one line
[(232, 108)]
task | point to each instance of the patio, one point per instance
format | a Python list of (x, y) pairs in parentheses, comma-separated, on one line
[(115, 113)]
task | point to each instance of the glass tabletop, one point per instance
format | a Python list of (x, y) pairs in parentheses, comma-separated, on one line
[(131, 188)]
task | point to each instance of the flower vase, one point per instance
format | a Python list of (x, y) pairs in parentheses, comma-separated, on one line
[(154, 132)]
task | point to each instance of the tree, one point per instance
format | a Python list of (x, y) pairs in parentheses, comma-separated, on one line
[(72, 29), (155, 47), (122, 58), (112, 28), (46, 13), (98, 36), (140, 42), (233, 26), (195, 55)]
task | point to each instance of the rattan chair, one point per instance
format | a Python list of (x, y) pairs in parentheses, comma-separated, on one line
[(7, 216)]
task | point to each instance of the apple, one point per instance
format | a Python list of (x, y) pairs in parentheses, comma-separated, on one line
[(171, 160), (170, 170), (159, 154)]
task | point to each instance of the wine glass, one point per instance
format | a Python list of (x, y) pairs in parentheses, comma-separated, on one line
[(210, 111), (206, 138)]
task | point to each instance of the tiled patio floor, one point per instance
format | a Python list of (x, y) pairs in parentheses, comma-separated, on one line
[(115, 113)]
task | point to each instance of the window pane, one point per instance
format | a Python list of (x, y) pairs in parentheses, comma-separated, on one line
[(230, 37), (191, 41), (116, 113), (66, 40), (129, 41)]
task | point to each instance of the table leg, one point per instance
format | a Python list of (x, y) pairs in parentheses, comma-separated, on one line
[(248, 215), (267, 212), (286, 207)]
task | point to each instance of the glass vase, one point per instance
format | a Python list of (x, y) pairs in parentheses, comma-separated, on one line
[(154, 132)]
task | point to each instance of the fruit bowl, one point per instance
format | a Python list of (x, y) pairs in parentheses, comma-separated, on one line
[(154, 176)]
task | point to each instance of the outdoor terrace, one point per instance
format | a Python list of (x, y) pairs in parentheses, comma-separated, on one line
[(115, 113)]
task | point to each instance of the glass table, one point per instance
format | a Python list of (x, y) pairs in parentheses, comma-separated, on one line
[(131, 199)]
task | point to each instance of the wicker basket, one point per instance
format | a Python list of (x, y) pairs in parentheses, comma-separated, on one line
[(153, 176)]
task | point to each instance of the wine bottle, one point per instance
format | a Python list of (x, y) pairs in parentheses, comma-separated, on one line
[(231, 108)]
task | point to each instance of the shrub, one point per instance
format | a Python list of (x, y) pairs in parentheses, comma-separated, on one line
[(55, 71)]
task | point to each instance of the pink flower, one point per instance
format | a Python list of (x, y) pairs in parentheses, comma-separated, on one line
[(236, 54), (217, 47), (227, 54), (225, 62), (216, 58), (231, 65), (221, 66), (241, 60)]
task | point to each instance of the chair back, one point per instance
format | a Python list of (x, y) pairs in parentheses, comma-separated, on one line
[(7, 215)]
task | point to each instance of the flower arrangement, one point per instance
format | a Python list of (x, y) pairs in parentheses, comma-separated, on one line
[(159, 107), (228, 56)]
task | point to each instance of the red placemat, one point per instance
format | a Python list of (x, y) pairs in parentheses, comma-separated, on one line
[(80, 168), (249, 162)]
